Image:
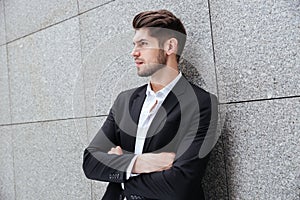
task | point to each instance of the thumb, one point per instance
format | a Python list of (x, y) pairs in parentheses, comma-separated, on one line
[(118, 147)]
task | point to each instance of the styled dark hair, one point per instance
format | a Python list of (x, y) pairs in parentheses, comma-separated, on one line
[(162, 25)]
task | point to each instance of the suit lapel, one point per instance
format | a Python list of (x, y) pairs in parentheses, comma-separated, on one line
[(136, 103), (130, 123), (166, 108)]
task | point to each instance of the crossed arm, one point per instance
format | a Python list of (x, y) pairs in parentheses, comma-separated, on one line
[(148, 162), (162, 176)]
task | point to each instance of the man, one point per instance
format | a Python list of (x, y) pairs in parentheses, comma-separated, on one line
[(156, 139)]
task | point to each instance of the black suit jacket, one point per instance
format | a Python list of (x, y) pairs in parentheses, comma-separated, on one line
[(184, 124)]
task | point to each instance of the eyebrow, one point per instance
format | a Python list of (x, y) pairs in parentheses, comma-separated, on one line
[(139, 41)]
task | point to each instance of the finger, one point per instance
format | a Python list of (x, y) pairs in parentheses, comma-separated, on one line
[(172, 154), (119, 150), (112, 151)]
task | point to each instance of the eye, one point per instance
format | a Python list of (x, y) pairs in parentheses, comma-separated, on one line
[(143, 43)]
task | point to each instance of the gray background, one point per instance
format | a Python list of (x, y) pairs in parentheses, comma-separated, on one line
[(63, 62)]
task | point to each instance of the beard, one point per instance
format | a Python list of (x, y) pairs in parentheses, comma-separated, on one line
[(150, 69)]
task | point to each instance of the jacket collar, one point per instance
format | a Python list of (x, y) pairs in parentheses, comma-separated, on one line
[(166, 108)]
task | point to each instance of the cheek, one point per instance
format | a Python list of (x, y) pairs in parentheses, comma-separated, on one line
[(153, 54), (150, 55)]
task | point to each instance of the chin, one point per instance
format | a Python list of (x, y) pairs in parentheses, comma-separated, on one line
[(143, 74)]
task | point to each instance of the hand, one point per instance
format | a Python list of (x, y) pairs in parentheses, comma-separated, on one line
[(116, 150), (153, 162)]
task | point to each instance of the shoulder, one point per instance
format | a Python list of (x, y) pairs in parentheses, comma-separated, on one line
[(204, 96), (131, 93)]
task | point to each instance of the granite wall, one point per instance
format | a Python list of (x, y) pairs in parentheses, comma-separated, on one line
[(63, 62)]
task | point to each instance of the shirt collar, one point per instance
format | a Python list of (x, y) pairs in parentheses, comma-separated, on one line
[(161, 94)]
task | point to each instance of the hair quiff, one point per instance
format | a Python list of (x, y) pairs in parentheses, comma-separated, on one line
[(162, 25)]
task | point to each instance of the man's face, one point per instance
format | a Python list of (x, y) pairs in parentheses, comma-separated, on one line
[(149, 57)]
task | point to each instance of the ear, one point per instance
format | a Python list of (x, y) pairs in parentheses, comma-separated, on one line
[(171, 46)]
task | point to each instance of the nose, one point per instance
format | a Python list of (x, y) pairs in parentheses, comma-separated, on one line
[(135, 52)]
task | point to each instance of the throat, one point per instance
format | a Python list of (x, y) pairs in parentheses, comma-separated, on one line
[(156, 87)]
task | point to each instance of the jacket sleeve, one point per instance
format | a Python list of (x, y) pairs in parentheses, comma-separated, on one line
[(97, 163), (189, 167)]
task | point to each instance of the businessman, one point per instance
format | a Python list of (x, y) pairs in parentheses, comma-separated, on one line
[(156, 140)]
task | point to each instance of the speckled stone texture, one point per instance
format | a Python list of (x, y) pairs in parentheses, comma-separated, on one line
[(5, 117), (25, 17), (93, 126), (2, 24), (60, 74), (214, 183), (262, 149), (7, 191), (48, 159), (85, 5), (257, 45), (113, 70), (44, 70)]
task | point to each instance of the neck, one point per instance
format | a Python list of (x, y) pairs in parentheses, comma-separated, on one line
[(163, 77)]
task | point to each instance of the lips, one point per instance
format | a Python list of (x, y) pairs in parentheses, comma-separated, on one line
[(139, 62)]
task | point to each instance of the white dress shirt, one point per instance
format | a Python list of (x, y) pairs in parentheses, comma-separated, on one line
[(150, 107)]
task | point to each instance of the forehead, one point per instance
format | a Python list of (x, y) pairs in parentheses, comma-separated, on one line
[(141, 34)]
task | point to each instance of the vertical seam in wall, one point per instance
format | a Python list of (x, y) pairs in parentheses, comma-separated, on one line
[(82, 69), (77, 7), (83, 77), (81, 74), (8, 73), (10, 106), (213, 46), (216, 75)]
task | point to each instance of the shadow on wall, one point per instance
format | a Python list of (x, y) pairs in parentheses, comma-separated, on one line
[(219, 172), (228, 142), (191, 73), (214, 182)]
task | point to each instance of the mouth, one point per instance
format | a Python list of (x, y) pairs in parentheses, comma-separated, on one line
[(139, 63)]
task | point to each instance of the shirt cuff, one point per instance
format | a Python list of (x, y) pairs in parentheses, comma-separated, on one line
[(130, 166)]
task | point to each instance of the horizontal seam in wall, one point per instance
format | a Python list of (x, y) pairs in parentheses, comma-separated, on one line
[(96, 116), (80, 13), (52, 120), (46, 27), (41, 29), (258, 100)]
